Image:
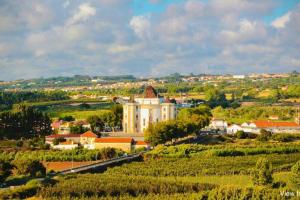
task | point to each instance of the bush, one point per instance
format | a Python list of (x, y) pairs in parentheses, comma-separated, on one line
[(264, 135), (282, 137), (241, 135), (19, 143), (56, 141), (262, 174), (34, 168), (5, 170)]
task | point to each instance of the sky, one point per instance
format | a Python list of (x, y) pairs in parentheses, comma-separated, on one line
[(147, 38)]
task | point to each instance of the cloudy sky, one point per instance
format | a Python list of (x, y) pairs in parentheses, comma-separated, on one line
[(42, 38)]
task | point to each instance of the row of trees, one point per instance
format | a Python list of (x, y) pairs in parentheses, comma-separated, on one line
[(25, 123), (189, 120), (7, 99)]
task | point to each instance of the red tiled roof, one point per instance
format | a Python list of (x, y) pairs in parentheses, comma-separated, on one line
[(140, 143), (113, 140), (263, 124), (150, 92), (89, 134), (62, 135)]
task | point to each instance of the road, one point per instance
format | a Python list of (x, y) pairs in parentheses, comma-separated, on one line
[(102, 164)]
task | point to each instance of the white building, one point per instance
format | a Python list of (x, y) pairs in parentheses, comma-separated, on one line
[(232, 129), (218, 124), (138, 113)]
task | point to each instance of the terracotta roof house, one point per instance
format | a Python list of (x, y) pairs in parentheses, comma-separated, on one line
[(89, 134), (141, 144), (68, 137), (275, 127), (126, 144), (88, 138)]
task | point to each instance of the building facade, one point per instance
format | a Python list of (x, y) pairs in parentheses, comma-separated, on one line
[(138, 113)]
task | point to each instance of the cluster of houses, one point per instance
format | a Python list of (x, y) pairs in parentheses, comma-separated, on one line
[(256, 126), (90, 140)]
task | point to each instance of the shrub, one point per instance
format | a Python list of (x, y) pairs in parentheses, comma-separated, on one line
[(264, 135), (262, 174), (19, 143), (282, 137), (241, 135), (56, 141), (33, 168), (5, 170)]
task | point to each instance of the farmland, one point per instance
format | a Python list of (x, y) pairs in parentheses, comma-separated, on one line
[(198, 174)]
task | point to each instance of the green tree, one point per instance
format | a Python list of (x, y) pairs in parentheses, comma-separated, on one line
[(34, 168), (67, 118), (264, 135), (241, 135), (262, 174), (97, 124)]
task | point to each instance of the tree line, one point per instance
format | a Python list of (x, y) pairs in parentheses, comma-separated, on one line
[(7, 99), (27, 122)]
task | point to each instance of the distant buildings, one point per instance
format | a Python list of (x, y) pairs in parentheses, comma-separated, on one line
[(90, 140), (256, 126), (138, 113)]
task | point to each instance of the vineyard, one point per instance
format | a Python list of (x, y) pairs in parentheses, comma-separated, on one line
[(66, 155), (199, 174), (186, 171)]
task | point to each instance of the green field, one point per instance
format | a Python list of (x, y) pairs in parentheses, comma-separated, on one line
[(72, 108)]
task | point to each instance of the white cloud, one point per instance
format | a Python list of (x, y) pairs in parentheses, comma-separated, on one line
[(85, 11), (247, 26), (140, 25), (281, 21)]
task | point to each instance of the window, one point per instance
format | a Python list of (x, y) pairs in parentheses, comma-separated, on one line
[(164, 108), (136, 108), (136, 116), (164, 117), (144, 122), (156, 120)]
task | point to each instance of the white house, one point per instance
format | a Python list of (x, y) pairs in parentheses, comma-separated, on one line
[(232, 129), (218, 124)]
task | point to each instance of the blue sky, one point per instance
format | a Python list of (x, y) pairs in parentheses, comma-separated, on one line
[(147, 37)]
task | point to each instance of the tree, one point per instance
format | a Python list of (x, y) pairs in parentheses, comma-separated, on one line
[(78, 129), (262, 174), (97, 124), (67, 118), (216, 98), (117, 115), (264, 135), (5, 170), (296, 174), (241, 135), (25, 122), (34, 168), (56, 141)]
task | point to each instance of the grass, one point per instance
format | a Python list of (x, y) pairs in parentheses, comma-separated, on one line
[(78, 114)]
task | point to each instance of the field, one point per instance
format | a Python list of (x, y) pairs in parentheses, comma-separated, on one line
[(167, 173), (78, 109)]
